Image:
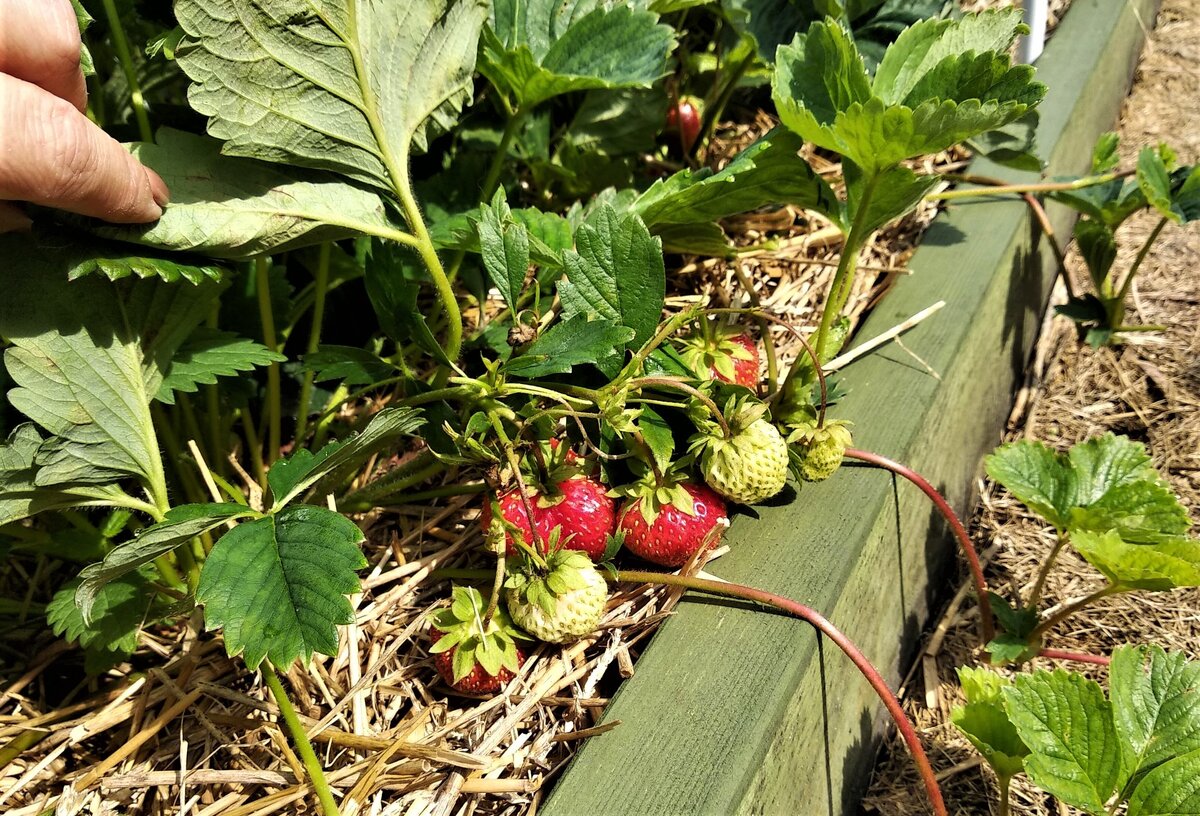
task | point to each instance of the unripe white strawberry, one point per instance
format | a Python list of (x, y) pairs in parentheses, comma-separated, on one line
[(818, 452), (564, 603), (748, 467)]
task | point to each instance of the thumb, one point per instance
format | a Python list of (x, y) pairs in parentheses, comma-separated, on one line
[(51, 154)]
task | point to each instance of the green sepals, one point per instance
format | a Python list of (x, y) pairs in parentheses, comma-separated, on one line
[(984, 721), (713, 348), (542, 586), (1076, 753), (817, 452), (86, 64), (1102, 484), (654, 494), (492, 646), (612, 546)]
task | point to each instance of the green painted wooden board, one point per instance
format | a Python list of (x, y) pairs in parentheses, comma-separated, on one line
[(733, 710)]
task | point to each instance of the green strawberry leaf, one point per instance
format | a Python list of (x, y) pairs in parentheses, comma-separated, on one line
[(180, 525), (1156, 703), (616, 273), (347, 86), (534, 50), (896, 192), (116, 260), (277, 586), (504, 244), (985, 723), (290, 477), (111, 633), (618, 122), (232, 207), (1076, 753), (1166, 565), (572, 342), (1098, 246), (208, 354), (1100, 484), (549, 234), (1171, 789), (941, 82), (21, 496), (1019, 621), (658, 435), (770, 171), (1012, 145), (348, 364), (83, 19), (87, 356), (1154, 178), (1008, 648)]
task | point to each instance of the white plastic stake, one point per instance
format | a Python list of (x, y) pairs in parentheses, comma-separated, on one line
[(1030, 46)]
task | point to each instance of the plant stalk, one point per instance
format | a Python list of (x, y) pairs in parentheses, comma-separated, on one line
[(1076, 657), (125, 56), (843, 278), (1070, 609), (262, 285), (316, 774), (428, 253), (987, 627), (1141, 256), (314, 336), (1039, 584), (993, 186)]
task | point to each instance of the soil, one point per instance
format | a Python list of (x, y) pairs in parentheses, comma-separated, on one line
[(1147, 389)]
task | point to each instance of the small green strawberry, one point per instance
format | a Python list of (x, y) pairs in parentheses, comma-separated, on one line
[(474, 658), (559, 603), (751, 464), (817, 452)]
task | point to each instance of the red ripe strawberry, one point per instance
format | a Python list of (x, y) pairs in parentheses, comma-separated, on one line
[(582, 510), (726, 354), (672, 535), (474, 658), (683, 118)]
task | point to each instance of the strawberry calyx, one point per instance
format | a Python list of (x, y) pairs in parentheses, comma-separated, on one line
[(490, 645), (651, 493), (561, 599), (721, 352), (817, 451)]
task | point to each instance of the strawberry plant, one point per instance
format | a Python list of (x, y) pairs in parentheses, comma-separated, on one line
[(156, 365), (1135, 747), (1172, 191)]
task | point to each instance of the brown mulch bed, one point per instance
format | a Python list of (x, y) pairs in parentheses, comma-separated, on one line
[(1148, 389)]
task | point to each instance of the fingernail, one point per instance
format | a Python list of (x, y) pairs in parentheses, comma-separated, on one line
[(13, 220), (158, 188)]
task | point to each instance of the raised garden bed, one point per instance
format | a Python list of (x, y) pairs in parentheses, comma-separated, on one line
[(731, 710)]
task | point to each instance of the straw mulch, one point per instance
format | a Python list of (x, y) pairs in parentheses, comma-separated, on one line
[(1148, 389)]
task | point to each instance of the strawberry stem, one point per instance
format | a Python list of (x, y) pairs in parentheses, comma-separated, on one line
[(679, 385), (1077, 657), (987, 628), (822, 624)]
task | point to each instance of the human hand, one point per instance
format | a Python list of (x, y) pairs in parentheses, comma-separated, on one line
[(50, 152)]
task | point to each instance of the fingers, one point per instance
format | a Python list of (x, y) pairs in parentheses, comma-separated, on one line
[(39, 43), (51, 154)]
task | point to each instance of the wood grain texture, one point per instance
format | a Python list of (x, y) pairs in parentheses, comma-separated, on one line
[(733, 710)]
